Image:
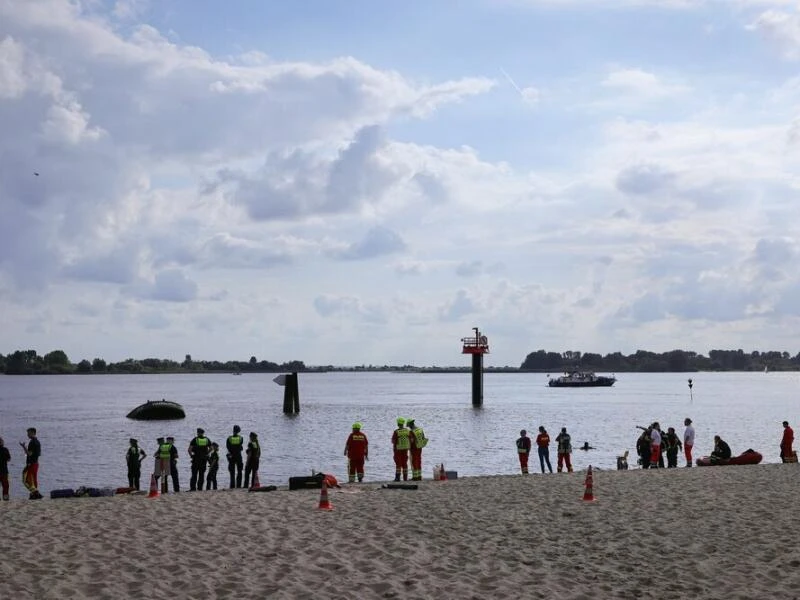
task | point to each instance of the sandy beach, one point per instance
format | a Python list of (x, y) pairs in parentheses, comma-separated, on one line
[(720, 532)]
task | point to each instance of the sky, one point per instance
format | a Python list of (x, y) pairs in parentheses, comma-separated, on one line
[(362, 183)]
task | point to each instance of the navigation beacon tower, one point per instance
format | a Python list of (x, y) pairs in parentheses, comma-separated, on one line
[(477, 346)]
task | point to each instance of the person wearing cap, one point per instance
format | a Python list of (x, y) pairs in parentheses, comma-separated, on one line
[(213, 467), (173, 464), (235, 446), (418, 442), (198, 452), (134, 457), (401, 443), (523, 450), (356, 449), (564, 442), (786, 442), (253, 459), (688, 440)]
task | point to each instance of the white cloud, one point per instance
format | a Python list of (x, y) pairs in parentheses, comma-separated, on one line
[(215, 201), (781, 28), (641, 84)]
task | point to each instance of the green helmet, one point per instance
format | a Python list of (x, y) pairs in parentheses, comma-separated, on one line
[(356, 425), (401, 421)]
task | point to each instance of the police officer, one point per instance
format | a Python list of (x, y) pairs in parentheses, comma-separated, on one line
[(173, 464), (198, 451), (235, 446)]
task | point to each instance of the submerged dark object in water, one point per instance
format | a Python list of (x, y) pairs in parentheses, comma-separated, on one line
[(157, 410)]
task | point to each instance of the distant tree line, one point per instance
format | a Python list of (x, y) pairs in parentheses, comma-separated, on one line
[(672, 361), (28, 362)]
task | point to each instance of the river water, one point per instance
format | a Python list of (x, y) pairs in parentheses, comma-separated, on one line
[(84, 432)]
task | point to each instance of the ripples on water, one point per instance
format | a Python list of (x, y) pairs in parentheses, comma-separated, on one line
[(84, 431)]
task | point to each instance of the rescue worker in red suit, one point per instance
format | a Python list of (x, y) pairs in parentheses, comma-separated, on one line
[(401, 443), (418, 442), (523, 450), (786, 442), (356, 449)]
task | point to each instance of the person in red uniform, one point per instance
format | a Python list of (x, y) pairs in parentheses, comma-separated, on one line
[(523, 450), (401, 443), (418, 441), (786, 442), (356, 449)]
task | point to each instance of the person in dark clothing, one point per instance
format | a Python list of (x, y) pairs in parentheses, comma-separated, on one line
[(134, 457), (673, 445), (173, 464), (235, 446), (523, 450), (213, 467), (30, 474), (721, 450), (198, 452), (253, 459), (643, 448), (5, 457)]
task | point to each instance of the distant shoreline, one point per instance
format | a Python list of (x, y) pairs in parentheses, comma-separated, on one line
[(414, 370)]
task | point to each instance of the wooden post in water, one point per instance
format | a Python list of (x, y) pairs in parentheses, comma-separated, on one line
[(477, 346), (291, 395)]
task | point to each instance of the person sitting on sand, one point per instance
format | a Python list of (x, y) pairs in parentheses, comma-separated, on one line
[(721, 450)]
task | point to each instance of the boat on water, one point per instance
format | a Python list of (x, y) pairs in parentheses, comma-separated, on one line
[(581, 379), (157, 410), (748, 457)]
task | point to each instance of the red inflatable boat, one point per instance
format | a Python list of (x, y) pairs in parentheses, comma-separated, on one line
[(748, 457)]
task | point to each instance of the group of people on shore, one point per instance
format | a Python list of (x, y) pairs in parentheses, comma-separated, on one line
[(653, 444), (563, 450), (203, 455), (30, 472), (407, 440)]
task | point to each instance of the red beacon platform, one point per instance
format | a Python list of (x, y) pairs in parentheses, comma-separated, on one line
[(478, 344)]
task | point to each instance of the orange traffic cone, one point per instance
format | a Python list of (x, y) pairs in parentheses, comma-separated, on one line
[(324, 503), (255, 485), (588, 493), (153, 487)]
